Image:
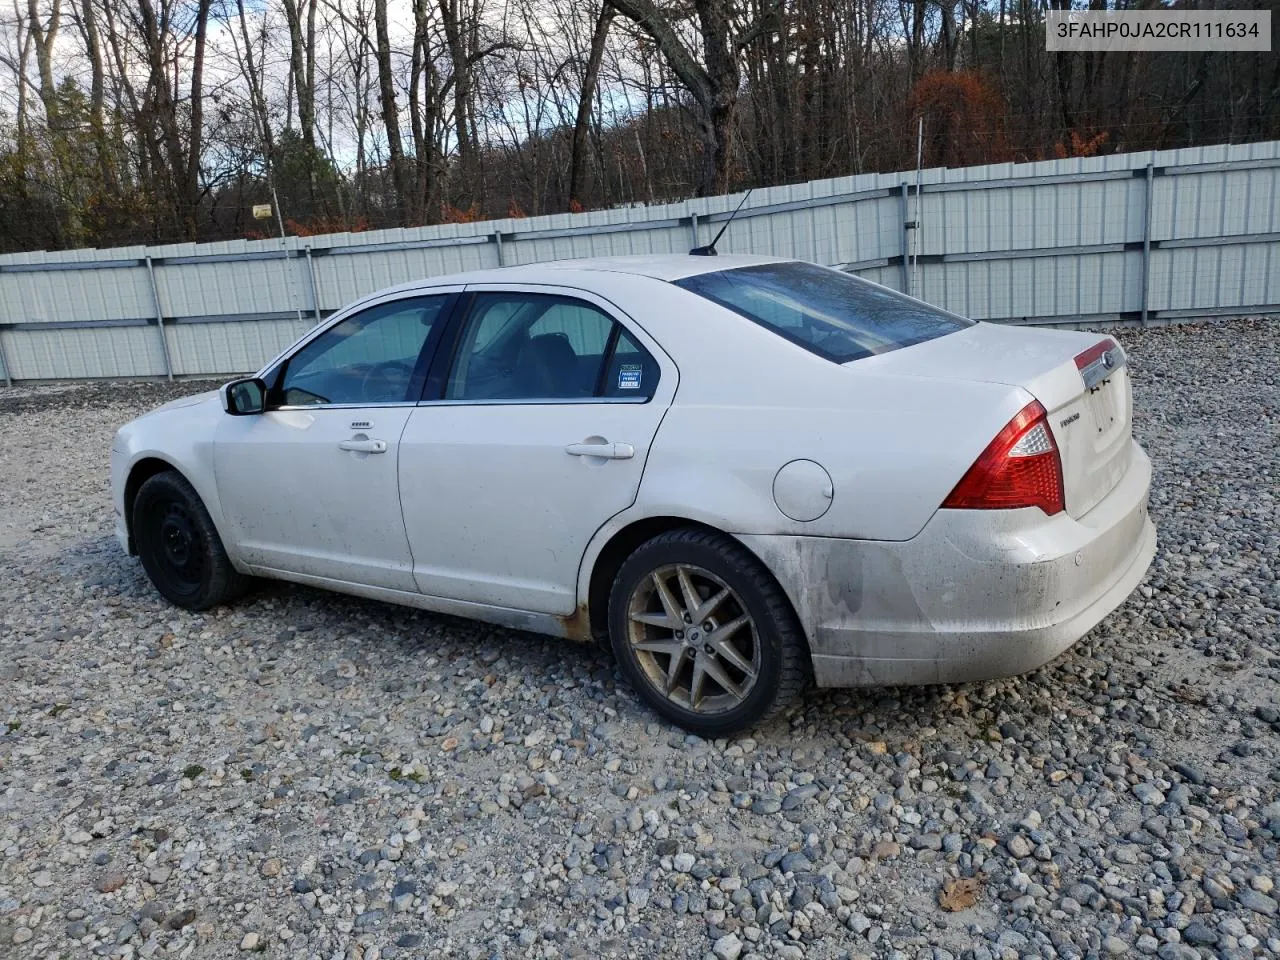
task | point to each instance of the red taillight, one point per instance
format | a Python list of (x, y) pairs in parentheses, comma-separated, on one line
[(1019, 468)]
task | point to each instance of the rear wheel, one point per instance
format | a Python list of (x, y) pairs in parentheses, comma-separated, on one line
[(705, 634), (179, 547)]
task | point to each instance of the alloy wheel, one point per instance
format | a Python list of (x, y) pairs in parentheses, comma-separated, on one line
[(693, 638)]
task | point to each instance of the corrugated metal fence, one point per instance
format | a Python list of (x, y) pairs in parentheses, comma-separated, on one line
[(1144, 237)]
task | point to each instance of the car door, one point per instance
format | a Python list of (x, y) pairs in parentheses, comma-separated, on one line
[(309, 487), (534, 436)]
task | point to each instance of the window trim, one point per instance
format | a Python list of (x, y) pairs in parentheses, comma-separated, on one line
[(447, 351), (430, 349)]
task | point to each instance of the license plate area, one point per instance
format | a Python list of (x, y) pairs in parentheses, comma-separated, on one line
[(1102, 400)]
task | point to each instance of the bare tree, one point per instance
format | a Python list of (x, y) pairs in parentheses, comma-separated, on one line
[(583, 119), (44, 34)]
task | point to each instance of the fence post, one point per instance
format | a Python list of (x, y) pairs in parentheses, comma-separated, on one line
[(315, 290), (155, 297), (1146, 241), (693, 230), (906, 238), (4, 366), (497, 239)]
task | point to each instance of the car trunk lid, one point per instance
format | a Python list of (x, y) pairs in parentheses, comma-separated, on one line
[(1080, 379)]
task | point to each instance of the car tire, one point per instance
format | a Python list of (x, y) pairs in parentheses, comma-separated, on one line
[(767, 663), (179, 546)]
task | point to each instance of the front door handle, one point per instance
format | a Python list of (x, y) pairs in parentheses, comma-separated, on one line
[(364, 446), (604, 450)]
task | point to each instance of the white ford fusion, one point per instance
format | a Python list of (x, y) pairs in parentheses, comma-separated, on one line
[(745, 473)]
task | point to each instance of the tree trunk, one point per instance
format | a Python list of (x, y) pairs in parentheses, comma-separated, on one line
[(721, 55), (458, 57), (390, 115), (302, 63), (257, 99), (583, 120), (191, 179), (88, 22), (43, 37), (24, 57)]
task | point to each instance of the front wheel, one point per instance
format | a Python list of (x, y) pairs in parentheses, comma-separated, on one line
[(179, 547), (705, 634)]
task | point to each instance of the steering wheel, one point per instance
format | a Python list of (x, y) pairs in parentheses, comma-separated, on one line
[(382, 371)]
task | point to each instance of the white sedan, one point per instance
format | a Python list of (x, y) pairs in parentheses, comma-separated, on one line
[(746, 473)]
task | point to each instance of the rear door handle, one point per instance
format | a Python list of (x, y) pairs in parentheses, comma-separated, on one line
[(606, 451), (364, 446)]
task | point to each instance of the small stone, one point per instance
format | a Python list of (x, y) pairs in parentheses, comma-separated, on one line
[(795, 862), (1126, 853), (683, 862), (249, 941), (886, 850), (110, 882), (1189, 773), (179, 919), (727, 948), (1114, 946), (1199, 934), (23, 934), (1010, 730), (1257, 902), (1019, 846), (858, 923), (1148, 793), (159, 876), (270, 867)]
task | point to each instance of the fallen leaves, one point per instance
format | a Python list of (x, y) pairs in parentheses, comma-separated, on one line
[(959, 893)]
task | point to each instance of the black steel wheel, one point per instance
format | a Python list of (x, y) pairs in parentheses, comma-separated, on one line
[(179, 547)]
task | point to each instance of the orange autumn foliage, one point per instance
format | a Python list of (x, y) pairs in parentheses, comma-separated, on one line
[(1080, 146), (965, 119), (452, 214)]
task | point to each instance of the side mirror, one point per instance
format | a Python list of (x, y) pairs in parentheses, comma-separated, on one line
[(242, 398)]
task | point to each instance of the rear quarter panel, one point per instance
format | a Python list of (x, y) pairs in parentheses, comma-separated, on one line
[(749, 402)]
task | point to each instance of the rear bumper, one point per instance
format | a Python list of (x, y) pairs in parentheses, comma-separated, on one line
[(977, 594)]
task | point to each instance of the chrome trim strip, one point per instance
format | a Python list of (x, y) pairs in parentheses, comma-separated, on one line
[(342, 406), (532, 402), (1102, 368)]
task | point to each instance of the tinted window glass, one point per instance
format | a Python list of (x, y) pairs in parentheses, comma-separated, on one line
[(631, 371), (833, 314), (367, 358), (519, 346)]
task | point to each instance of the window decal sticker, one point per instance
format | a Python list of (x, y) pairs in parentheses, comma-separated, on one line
[(629, 376)]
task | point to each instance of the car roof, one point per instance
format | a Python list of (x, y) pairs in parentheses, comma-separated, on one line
[(582, 272)]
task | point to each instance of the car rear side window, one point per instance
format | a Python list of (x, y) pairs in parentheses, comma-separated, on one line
[(828, 312), (526, 346)]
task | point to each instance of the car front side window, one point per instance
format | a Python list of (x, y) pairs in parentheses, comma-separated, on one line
[(375, 356), (525, 346)]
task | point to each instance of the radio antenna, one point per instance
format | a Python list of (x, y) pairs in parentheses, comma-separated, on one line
[(710, 249)]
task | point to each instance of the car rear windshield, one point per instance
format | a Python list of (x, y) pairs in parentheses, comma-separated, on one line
[(833, 314)]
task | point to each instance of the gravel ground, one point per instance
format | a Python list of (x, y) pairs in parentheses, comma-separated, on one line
[(309, 775)]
